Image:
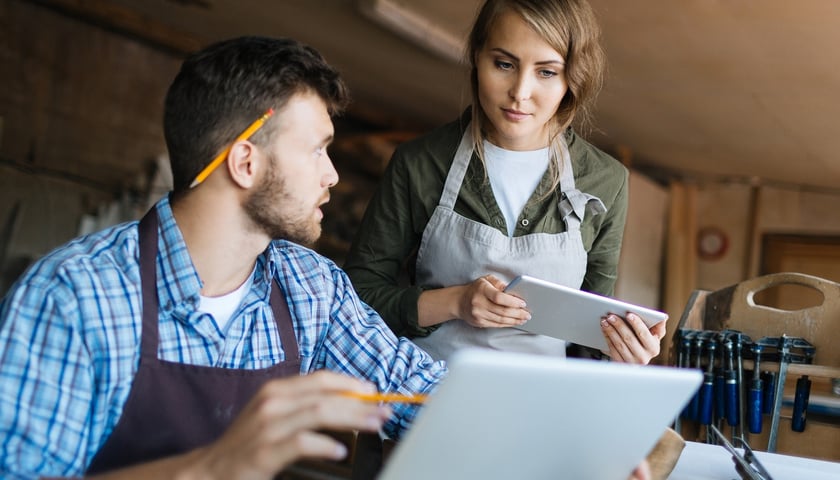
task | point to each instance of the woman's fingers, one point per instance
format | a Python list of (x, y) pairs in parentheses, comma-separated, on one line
[(630, 340), (485, 305)]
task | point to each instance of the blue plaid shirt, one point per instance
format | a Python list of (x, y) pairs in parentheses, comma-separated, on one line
[(70, 339)]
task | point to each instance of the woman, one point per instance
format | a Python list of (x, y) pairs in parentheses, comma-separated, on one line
[(507, 189)]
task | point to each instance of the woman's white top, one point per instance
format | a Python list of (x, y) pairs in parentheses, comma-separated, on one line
[(514, 176)]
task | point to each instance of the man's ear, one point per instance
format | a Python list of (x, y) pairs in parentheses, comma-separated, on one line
[(244, 162)]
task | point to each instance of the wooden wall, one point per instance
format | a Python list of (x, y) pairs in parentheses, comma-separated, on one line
[(81, 107), (80, 115)]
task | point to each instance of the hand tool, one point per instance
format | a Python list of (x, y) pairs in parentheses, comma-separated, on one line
[(720, 384), (800, 403), (740, 340), (804, 354), (802, 393), (754, 404), (746, 464), (731, 387), (784, 360), (698, 364), (706, 390), (679, 340), (769, 388), (686, 343)]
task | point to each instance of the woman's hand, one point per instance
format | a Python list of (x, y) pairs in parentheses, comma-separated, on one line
[(484, 304), (630, 340)]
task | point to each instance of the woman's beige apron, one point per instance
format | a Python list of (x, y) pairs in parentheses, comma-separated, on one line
[(456, 250)]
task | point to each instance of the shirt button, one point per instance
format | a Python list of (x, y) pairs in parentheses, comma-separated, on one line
[(524, 222), (499, 222)]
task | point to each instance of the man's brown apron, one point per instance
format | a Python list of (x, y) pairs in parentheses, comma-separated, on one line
[(173, 407)]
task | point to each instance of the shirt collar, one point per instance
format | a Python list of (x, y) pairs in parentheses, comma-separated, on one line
[(178, 282)]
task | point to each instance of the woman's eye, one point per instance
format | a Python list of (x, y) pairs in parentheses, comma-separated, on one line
[(547, 73), (502, 65)]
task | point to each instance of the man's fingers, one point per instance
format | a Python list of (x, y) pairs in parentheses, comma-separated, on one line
[(278, 398), (330, 412), (278, 425), (322, 381), (272, 457), (642, 472), (318, 445)]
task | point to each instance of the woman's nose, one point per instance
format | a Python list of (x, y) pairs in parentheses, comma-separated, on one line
[(521, 88)]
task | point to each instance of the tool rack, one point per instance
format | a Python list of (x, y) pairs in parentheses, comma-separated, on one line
[(798, 345)]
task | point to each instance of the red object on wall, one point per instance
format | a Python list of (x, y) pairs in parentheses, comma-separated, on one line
[(712, 243)]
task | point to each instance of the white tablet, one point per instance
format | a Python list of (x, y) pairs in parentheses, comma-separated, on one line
[(501, 416), (570, 314)]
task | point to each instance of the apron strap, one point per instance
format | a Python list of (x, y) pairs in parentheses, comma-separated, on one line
[(457, 171), (148, 238), (283, 318)]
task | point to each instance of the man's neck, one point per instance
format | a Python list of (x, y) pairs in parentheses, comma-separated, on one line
[(222, 249)]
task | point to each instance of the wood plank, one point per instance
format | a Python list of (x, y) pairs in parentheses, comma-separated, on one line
[(128, 22), (680, 259), (821, 371)]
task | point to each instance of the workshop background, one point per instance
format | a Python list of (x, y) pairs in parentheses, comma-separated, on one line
[(725, 113)]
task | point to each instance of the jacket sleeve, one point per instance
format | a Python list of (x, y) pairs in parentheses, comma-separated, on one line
[(602, 263)]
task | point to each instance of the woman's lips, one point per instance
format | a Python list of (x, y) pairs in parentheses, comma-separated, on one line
[(514, 115)]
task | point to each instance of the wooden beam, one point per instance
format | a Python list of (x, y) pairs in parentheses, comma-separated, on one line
[(680, 258), (752, 247), (128, 22)]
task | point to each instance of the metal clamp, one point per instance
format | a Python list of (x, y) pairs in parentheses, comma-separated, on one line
[(746, 464)]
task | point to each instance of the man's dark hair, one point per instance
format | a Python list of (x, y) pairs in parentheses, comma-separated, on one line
[(223, 88)]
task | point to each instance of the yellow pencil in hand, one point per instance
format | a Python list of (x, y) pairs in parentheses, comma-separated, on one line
[(386, 397)]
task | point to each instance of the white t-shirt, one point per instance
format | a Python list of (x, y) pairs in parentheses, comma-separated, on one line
[(514, 176), (221, 308)]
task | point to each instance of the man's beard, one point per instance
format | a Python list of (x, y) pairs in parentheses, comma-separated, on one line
[(271, 209)]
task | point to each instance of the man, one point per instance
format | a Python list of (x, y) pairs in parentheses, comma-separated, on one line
[(154, 349)]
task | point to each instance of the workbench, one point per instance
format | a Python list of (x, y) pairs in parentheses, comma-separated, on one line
[(703, 461)]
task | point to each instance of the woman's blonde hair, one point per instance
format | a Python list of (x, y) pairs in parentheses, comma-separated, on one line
[(571, 28)]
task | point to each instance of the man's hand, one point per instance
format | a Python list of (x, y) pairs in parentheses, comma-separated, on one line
[(642, 472), (280, 426), (630, 340)]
